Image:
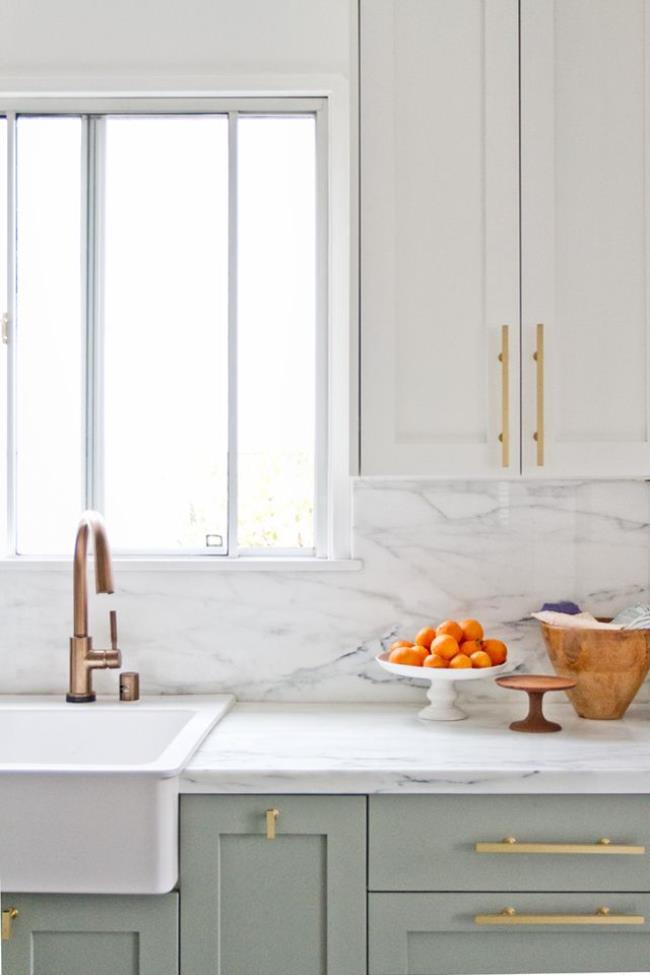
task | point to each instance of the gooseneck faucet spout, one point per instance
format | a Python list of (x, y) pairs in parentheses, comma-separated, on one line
[(83, 659)]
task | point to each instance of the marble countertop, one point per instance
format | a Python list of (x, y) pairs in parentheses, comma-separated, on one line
[(358, 748)]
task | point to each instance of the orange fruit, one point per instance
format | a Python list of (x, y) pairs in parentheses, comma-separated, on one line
[(425, 636), (472, 630), (496, 650), (445, 646), (480, 658), (450, 628), (400, 643), (469, 647), (460, 662), (434, 660), (405, 655), (421, 651)]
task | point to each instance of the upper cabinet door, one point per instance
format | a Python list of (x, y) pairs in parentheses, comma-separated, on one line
[(439, 236), (585, 231)]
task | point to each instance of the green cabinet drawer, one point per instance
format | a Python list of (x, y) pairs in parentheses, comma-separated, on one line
[(57, 934), (292, 905), (437, 934), (428, 843)]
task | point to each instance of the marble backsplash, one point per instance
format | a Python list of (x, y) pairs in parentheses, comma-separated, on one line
[(492, 550)]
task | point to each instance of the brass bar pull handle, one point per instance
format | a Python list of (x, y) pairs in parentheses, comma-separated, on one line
[(271, 822), (504, 359), (9, 915), (538, 356), (511, 845), (603, 915)]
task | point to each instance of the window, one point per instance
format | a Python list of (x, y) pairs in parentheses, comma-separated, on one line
[(166, 302)]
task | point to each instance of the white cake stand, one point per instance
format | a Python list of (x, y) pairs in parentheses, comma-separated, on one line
[(442, 692)]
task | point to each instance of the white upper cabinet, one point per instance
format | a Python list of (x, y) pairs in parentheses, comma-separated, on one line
[(439, 236), (585, 77), (444, 85)]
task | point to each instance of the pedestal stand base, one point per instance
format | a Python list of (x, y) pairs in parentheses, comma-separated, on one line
[(443, 707)]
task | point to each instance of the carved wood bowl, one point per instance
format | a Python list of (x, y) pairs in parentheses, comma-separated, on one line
[(608, 666)]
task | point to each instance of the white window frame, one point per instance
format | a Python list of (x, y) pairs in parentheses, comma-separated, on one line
[(332, 502)]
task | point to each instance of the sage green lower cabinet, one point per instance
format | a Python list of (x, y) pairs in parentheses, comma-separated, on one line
[(445, 857), (292, 905), (57, 934), (436, 934)]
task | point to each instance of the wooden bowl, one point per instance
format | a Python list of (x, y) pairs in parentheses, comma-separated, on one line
[(608, 666)]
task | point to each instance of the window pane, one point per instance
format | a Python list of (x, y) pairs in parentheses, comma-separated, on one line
[(3, 215), (3, 308), (49, 333), (276, 331), (166, 305)]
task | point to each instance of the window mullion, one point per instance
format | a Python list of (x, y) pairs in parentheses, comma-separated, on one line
[(10, 405), (322, 543), (233, 541), (93, 228)]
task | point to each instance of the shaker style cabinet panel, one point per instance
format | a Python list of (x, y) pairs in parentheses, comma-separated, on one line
[(439, 236), (282, 895), (442, 101), (56, 934), (563, 843), (454, 934), (585, 171)]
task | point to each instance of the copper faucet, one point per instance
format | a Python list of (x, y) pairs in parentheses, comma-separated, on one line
[(83, 659)]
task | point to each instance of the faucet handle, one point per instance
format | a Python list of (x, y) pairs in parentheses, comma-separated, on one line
[(113, 657), (113, 620)]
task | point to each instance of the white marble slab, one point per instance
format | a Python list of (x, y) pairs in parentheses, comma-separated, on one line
[(494, 550), (343, 748)]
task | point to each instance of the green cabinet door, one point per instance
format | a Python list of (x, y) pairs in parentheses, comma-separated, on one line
[(57, 934), (292, 905)]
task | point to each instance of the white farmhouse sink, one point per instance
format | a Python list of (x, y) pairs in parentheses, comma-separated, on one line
[(89, 792)]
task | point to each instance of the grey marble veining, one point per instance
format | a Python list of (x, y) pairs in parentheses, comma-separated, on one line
[(493, 550), (332, 748)]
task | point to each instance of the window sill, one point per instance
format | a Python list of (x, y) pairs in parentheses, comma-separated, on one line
[(189, 564)]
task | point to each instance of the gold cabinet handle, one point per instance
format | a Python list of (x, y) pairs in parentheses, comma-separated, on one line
[(504, 359), (538, 356), (9, 915), (602, 916), (271, 821), (512, 845)]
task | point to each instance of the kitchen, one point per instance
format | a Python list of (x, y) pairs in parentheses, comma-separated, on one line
[(470, 348)]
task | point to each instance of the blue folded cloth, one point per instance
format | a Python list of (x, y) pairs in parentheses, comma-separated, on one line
[(562, 607)]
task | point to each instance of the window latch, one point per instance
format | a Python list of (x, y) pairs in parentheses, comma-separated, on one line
[(213, 541), (5, 328)]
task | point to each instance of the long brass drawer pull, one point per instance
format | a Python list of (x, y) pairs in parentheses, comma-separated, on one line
[(512, 845), (504, 359), (602, 916), (9, 915), (271, 822), (538, 356)]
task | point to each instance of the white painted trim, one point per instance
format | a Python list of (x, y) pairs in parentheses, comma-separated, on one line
[(190, 564), (170, 86), (322, 504), (342, 321), (10, 403), (232, 540)]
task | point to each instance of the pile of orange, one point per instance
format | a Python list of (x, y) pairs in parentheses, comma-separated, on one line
[(451, 644)]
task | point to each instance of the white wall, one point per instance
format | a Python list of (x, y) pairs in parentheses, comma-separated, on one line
[(43, 43)]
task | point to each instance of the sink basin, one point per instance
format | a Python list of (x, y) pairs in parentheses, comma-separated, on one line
[(89, 792)]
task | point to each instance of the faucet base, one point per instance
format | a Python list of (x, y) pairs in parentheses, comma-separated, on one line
[(80, 698)]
